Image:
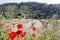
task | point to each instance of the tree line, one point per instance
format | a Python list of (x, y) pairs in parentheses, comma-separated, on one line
[(33, 10)]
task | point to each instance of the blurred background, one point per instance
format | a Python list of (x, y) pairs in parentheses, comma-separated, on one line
[(32, 9)]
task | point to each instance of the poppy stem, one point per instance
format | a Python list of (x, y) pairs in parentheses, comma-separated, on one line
[(18, 37)]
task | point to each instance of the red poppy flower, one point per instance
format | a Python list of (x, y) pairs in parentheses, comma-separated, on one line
[(34, 28), (23, 34), (19, 26), (19, 32), (1, 24), (12, 35), (34, 35)]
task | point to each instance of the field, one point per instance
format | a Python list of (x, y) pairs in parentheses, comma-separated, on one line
[(13, 29)]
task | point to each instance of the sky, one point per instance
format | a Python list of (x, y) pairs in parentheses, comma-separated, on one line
[(41, 1)]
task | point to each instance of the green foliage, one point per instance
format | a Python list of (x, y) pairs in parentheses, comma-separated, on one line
[(29, 10), (49, 35)]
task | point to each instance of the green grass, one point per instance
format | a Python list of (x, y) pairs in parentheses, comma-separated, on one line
[(46, 35)]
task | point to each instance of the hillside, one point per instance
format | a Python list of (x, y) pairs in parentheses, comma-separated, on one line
[(31, 10)]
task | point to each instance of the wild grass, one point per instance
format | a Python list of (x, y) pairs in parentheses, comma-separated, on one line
[(48, 34)]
